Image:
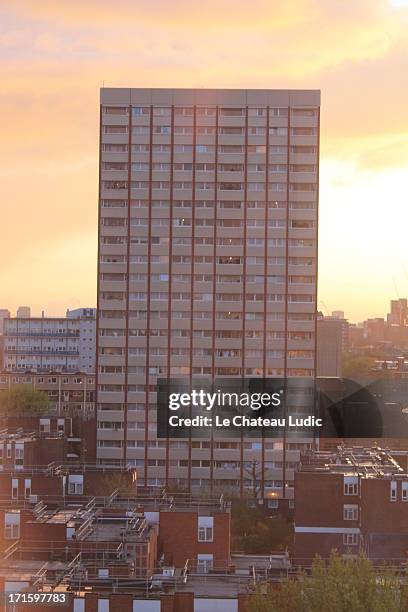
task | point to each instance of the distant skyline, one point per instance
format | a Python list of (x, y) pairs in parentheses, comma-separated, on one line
[(62, 313), (56, 56)]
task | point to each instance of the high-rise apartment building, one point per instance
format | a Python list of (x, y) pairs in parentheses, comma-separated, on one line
[(207, 266), (46, 344)]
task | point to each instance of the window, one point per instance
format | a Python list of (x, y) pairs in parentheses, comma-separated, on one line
[(204, 563), (206, 111), (303, 168), (183, 148), (232, 112), (205, 534), (404, 491), (161, 111), (202, 148), (230, 186), (12, 531), (185, 112), (11, 525), (231, 149), (115, 184), (350, 485), (114, 166), (277, 167), (303, 187), (184, 167), (142, 166), (304, 131), (350, 512), (279, 112), (19, 454), (115, 129), (27, 487), (103, 605), (183, 129), (138, 111), (303, 149), (256, 187), (278, 131), (75, 485), (304, 112), (14, 488), (79, 605), (257, 112), (277, 186), (350, 539), (230, 130), (115, 110), (393, 490)]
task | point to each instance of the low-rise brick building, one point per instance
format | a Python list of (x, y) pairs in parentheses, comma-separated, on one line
[(353, 500), (202, 537), (66, 480), (69, 393)]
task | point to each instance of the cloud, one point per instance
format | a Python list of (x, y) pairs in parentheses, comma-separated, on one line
[(179, 13), (279, 38), (56, 55)]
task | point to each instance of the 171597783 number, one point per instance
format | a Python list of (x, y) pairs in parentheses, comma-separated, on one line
[(51, 599)]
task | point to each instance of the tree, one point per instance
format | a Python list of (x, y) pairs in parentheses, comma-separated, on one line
[(23, 400), (340, 586), (113, 481), (359, 365), (254, 471), (255, 533)]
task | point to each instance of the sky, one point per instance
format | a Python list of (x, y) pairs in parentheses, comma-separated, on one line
[(54, 57)]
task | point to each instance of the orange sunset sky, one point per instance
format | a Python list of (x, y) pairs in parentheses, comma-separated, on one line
[(56, 54)]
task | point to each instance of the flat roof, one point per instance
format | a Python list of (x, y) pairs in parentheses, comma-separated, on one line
[(368, 462), (212, 96)]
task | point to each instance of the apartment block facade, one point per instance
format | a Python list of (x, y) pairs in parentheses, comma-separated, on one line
[(68, 393), (47, 344), (354, 500), (207, 266)]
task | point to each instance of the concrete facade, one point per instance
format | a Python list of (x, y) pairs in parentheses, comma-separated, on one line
[(207, 265), (47, 344)]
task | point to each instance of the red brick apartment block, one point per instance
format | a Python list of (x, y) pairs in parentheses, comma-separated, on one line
[(173, 602), (78, 433), (71, 407), (142, 554), (203, 540), (18, 450), (56, 480), (353, 500), (12, 523)]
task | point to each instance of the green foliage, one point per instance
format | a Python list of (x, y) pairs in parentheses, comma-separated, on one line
[(116, 481), (356, 365), (255, 533), (23, 400), (341, 586)]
